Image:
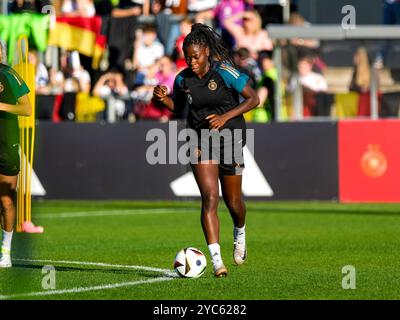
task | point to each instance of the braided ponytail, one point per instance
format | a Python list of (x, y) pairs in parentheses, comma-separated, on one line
[(205, 36)]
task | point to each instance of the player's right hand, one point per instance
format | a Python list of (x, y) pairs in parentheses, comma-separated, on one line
[(160, 93)]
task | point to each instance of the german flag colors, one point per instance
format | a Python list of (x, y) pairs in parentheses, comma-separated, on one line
[(81, 34)]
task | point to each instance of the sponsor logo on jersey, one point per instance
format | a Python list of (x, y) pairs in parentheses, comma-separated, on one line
[(1, 87)]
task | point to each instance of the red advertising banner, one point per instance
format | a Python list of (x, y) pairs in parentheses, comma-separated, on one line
[(369, 161)]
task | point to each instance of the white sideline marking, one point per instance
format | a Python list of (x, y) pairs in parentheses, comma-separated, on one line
[(84, 289), (168, 275), (109, 213), (100, 264)]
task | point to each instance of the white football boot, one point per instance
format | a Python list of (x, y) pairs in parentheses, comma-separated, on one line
[(5, 260), (239, 252)]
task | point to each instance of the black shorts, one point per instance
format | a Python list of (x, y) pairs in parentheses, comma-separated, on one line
[(223, 148), (9, 160)]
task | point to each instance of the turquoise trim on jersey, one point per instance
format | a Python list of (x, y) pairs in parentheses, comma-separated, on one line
[(233, 78), (179, 79)]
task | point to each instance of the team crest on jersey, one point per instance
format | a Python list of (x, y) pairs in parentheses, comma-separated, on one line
[(212, 85), (1, 87)]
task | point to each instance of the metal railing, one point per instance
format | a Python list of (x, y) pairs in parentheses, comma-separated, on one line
[(327, 32)]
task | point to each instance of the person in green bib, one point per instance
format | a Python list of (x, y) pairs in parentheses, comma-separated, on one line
[(14, 102)]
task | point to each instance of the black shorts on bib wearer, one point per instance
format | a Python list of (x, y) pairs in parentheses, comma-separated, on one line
[(9, 144), (9, 161)]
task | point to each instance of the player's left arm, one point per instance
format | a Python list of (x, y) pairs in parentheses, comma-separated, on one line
[(251, 100), (22, 108)]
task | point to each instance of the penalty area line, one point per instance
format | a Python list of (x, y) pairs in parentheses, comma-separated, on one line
[(84, 289), (167, 275)]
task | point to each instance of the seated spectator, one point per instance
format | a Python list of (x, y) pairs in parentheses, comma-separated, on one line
[(128, 8), (391, 16), (179, 56), (314, 87), (26, 6), (66, 83), (296, 19), (147, 48), (361, 81), (41, 74), (79, 73), (246, 64), (167, 25), (103, 7), (144, 107), (178, 7), (224, 10), (78, 8), (56, 81), (266, 86), (112, 88), (200, 6), (250, 34), (299, 47), (144, 87), (166, 73), (310, 79)]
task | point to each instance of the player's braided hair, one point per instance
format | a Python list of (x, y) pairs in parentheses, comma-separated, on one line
[(205, 36)]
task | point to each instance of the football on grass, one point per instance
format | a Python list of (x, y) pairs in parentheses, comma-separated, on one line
[(190, 263)]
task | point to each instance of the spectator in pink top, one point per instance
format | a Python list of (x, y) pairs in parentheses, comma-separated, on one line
[(166, 73), (250, 34), (224, 10)]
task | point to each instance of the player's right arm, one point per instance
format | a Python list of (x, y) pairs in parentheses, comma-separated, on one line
[(22, 108), (160, 96)]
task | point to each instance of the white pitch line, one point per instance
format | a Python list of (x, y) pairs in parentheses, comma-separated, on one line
[(167, 275), (84, 289), (100, 264), (109, 213)]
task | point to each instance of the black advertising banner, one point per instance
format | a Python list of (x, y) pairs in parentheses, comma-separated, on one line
[(299, 160), (144, 161)]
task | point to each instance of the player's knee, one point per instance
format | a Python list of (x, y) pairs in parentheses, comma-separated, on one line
[(235, 205), (7, 203), (210, 200)]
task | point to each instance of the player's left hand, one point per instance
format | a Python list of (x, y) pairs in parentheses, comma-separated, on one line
[(216, 121)]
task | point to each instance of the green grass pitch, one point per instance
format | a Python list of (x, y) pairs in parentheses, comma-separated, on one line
[(296, 250)]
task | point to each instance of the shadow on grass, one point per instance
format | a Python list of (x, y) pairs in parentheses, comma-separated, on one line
[(115, 271)]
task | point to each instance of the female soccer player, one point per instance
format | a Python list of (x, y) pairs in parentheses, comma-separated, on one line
[(210, 88), (14, 102)]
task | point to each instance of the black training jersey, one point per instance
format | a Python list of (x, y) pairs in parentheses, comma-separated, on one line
[(12, 87), (216, 93)]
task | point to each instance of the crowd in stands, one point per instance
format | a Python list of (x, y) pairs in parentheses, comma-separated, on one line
[(144, 49)]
